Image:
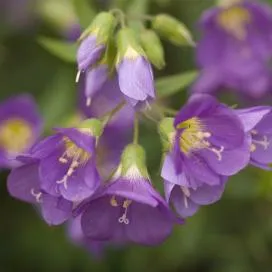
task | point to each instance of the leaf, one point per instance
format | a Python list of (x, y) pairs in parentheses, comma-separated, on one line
[(85, 12), (60, 49), (170, 85)]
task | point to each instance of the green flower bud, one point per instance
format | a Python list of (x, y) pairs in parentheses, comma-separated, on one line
[(172, 29), (102, 27), (92, 126), (128, 45), (167, 133), (153, 48), (133, 157)]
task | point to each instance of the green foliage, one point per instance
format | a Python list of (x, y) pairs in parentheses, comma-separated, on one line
[(85, 12), (63, 50), (169, 85)]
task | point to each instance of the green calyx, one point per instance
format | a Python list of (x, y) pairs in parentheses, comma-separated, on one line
[(128, 45), (133, 157), (172, 29), (92, 126), (153, 48), (102, 27), (167, 133)]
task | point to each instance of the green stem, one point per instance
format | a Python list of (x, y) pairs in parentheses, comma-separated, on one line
[(136, 129), (121, 16), (109, 115), (142, 17)]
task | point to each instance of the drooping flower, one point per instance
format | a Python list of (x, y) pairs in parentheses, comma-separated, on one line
[(67, 167), (235, 49), (24, 184), (135, 73), (20, 127), (128, 209), (207, 144), (94, 40), (257, 123)]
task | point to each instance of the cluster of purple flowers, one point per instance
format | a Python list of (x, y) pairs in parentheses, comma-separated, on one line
[(95, 176), (235, 49)]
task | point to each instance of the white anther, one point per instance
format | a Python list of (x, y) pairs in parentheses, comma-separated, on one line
[(78, 76), (36, 195), (63, 160), (88, 102)]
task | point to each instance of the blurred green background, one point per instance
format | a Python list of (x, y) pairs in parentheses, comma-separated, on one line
[(232, 235)]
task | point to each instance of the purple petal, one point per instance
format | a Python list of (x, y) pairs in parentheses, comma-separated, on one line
[(206, 194), (148, 225), (252, 116), (89, 52), (80, 138), (262, 154), (136, 79), (51, 211), (168, 188), (24, 181), (227, 165), (95, 79), (138, 190), (183, 205), (79, 187)]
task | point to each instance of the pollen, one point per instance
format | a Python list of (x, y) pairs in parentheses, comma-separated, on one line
[(195, 137), (234, 20), (15, 135), (73, 155)]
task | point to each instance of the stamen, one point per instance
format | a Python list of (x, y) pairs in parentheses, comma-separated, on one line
[(36, 195), (218, 152), (78, 76), (88, 102), (253, 147), (186, 194), (114, 202), (265, 143), (63, 160), (123, 218)]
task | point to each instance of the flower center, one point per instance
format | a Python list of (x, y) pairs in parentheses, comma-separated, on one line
[(234, 21), (194, 137), (15, 135), (264, 142), (123, 219), (73, 155)]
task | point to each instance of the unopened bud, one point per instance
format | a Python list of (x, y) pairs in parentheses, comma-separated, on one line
[(94, 127), (172, 29), (167, 133), (153, 48)]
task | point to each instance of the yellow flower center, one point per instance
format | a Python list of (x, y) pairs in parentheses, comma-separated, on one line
[(234, 20), (15, 135), (194, 137), (73, 155)]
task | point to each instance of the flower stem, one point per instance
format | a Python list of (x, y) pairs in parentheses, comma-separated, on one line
[(121, 16), (136, 129), (110, 114)]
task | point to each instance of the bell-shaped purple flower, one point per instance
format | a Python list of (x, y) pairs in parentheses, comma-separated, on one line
[(257, 123), (24, 184), (136, 79), (89, 52), (128, 209), (20, 127), (67, 165), (235, 49), (208, 143)]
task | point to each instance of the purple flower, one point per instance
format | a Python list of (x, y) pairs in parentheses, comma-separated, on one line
[(235, 49), (128, 209), (208, 144), (67, 164), (136, 78), (96, 77), (24, 184), (257, 123), (89, 52), (20, 127)]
